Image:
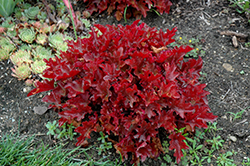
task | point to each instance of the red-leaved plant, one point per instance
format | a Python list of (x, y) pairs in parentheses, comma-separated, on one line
[(138, 6), (127, 83)]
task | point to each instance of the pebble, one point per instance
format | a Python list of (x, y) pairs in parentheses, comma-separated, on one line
[(26, 89), (40, 110), (228, 67), (233, 138)]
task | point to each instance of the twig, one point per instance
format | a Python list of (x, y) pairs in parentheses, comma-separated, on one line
[(232, 33), (203, 18), (223, 96)]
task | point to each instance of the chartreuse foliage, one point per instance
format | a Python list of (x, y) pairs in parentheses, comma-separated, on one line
[(127, 83), (136, 7)]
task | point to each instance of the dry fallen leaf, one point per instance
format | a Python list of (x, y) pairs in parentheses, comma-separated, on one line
[(118, 15), (157, 50)]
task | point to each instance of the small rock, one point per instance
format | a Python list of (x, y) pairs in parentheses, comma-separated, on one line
[(40, 110), (224, 117), (26, 89), (235, 42), (228, 67), (233, 138)]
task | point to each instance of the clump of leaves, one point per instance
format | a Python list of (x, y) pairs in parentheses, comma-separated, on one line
[(27, 35), (6, 44), (66, 131), (20, 57), (40, 52), (128, 7), (127, 83), (4, 54), (32, 12), (41, 39), (38, 66), (21, 72), (56, 41)]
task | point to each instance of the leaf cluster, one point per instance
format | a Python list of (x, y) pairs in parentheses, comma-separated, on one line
[(66, 131), (127, 83), (128, 7)]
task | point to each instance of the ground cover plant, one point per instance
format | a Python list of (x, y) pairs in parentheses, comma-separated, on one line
[(128, 8), (131, 80), (33, 38)]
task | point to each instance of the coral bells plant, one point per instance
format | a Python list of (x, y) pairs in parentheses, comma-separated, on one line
[(137, 6), (127, 83)]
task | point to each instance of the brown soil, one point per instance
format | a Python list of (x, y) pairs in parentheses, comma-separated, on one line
[(195, 19)]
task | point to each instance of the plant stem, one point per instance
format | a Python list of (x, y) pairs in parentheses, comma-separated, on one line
[(72, 19)]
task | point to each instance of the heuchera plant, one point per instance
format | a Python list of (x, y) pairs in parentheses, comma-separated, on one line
[(141, 6), (127, 83)]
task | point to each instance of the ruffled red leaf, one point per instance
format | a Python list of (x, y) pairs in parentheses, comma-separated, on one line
[(177, 144), (46, 85)]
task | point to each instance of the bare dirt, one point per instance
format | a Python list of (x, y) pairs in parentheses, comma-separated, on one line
[(223, 64)]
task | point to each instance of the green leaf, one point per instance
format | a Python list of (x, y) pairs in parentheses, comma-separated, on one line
[(7, 7)]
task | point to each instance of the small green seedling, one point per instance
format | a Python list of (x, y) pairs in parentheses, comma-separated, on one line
[(242, 72), (66, 132), (104, 144), (212, 127), (216, 142), (223, 159), (238, 115)]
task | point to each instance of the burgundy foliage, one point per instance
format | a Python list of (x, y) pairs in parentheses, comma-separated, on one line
[(137, 6), (116, 83)]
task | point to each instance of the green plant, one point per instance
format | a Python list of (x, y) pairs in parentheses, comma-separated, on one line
[(20, 57), (246, 162), (223, 159), (216, 142), (57, 41), (7, 7), (212, 127), (104, 144), (18, 13), (242, 4), (237, 115), (202, 75), (38, 66), (65, 132), (32, 12), (42, 16), (21, 72), (166, 157), (247, 44), (40, 53), (6, 44), (53, 128), (27, 35), (60, 8), (4, 54), (208, 155), (194, 150), (16, 150), (242, 72), (41, 39)]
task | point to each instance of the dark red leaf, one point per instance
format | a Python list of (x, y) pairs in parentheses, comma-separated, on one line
[(177, 144)]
